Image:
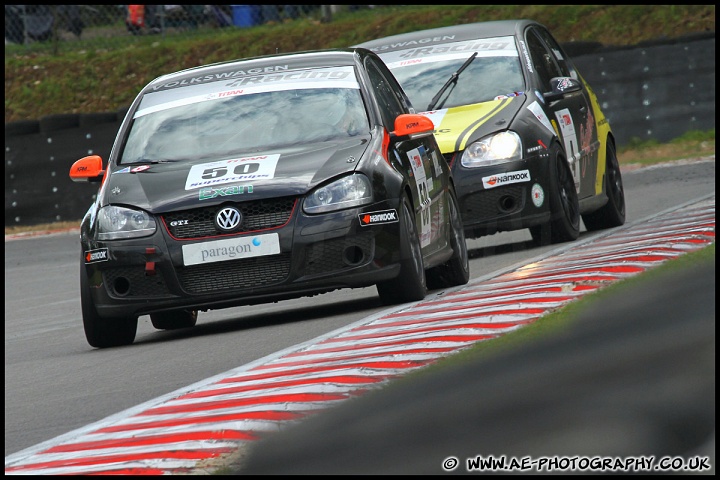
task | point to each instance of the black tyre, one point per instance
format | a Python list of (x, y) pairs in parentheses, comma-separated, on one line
[(102, 332), (564, 223), (541, 234), (455, 271), (174, 320), (612, 214), (410, 285)]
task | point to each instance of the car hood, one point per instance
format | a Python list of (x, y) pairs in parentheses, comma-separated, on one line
[(290, 171), (457, 127)]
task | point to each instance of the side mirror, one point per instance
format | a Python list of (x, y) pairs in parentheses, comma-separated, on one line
[(413, 124), (561, 86), (87, 169)]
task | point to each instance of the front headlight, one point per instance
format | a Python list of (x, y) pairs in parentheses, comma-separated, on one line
[(346, 192), (119, 222), (501, 147)]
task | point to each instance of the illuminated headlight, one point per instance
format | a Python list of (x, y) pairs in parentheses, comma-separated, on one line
[(501, 147), (120, 222), (346, 192)]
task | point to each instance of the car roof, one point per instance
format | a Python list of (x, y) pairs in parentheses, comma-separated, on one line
[(468, 31), (282, 62)]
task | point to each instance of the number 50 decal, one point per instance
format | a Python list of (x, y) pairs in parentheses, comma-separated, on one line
[(242, 169), (232, 170)]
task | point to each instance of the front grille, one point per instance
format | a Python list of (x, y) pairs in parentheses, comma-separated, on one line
[(132, 282), (257, 215), (330, 255), (236, 274), (488, 204)]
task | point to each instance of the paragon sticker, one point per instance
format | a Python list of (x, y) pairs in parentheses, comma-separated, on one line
[(374, 218), (231, 249), (506, 178), (99, 255)]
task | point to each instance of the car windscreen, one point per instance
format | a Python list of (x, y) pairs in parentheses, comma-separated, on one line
[(240, 116), (494, 72)]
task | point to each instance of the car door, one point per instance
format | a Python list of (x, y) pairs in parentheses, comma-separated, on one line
[(419, 158), (571, 116)]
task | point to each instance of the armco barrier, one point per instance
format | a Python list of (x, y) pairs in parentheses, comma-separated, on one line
[(657, 90)]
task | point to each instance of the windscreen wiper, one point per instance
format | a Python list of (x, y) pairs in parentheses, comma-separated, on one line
[(453, 78)]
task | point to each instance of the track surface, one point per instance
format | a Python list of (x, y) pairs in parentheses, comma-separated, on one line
[(632, 379), (165, 448), (182, 431)]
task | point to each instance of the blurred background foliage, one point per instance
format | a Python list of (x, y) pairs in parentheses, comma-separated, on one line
[(103, 67)]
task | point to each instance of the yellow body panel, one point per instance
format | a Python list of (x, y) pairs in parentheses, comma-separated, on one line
[(454, 126), (603, 132)]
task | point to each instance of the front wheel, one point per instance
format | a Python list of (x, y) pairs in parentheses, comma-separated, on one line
[(564, 223), (612, 214), (104, 332), (410, 285), (455, 271)]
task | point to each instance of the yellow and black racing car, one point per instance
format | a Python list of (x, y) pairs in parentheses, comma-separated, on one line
[(527, 142)]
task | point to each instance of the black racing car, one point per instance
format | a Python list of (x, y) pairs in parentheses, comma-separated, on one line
[(260, 180), (527, 142)]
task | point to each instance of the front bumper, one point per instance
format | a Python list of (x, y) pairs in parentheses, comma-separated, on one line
[(318, 253), (505, 197)]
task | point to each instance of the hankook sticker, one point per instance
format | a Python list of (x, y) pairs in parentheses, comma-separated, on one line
[(374, 218), (99, 255), (506, 178)]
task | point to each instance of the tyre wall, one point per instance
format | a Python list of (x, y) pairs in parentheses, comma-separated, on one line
[(657, 90)]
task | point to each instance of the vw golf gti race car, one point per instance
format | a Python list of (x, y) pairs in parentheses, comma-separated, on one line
[(527, 142), (264, 179)]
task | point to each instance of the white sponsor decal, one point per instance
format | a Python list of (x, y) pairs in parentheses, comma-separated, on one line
[(436, 163), (203, 89), (538, 195), (260, 167), (537, 110), (506, 178), (484, 47), (231, 249), (569, 136), (421, 182), (436, 115)]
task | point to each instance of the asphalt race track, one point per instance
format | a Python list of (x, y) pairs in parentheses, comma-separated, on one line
[(634, 377)]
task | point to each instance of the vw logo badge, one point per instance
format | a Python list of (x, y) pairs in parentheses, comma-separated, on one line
[(228, 219)]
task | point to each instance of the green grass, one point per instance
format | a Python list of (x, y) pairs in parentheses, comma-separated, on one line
[(100, 74), (691, 144)]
